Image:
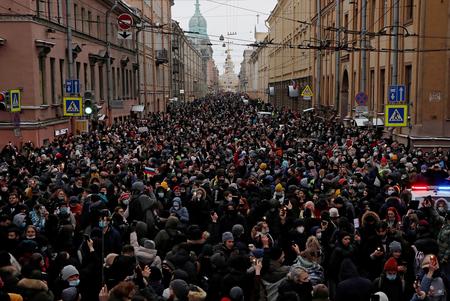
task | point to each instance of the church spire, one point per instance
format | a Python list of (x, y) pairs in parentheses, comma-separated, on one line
[(197, 7)]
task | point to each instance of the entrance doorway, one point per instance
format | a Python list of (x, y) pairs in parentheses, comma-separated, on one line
[(344, 95)]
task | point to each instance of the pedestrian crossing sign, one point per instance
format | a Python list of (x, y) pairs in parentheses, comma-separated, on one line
[(396, 115), (73, 106), (307, 92), (14, 97)]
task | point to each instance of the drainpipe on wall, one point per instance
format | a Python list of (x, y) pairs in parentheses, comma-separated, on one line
[(338, 58), (108, 62)]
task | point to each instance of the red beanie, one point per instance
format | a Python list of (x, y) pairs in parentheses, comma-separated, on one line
[(391, 265)]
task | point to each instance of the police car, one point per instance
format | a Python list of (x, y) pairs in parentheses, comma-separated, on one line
[(437, 193)]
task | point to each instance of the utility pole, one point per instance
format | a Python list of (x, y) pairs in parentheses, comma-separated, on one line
[(395, 43), (69, 39), (363, 46), (319, 54), (338, 57)]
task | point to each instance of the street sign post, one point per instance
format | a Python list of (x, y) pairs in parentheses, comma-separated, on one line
[(14, 98), (397, 94), (125, 21), (396, 115), (73, 106)]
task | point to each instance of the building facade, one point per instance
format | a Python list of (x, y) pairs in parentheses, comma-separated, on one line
[(228, 81), (289, 64), (256, 68), (187, 67), (212, 77), (339, 55), (244, 72), (154, 48), (38, 64)]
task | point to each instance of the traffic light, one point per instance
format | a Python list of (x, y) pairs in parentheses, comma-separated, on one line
[(88, 106), (4, 98)]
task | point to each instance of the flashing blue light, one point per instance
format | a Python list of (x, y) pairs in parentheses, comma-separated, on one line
[(446, 188)]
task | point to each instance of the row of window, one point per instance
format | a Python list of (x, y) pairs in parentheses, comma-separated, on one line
[(376, 89), (87, 20), (92, 77)]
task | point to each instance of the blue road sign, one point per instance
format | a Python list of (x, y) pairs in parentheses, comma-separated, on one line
[(73, 106), (396, 115), (72, 86), (397, 94)]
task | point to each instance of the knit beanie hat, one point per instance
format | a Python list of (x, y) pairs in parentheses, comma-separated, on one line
[(395, 246), (227, 236), (67, 271), (69, 294), (279, 188), (236, 294), (164, 185), (391, 265), (237, 230), (180, 288)]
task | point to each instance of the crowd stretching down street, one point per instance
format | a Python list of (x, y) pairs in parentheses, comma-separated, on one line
[(215, 201)]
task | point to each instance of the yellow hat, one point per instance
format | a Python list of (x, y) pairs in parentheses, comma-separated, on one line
[(279, 188), (263, 166), (164, 185)]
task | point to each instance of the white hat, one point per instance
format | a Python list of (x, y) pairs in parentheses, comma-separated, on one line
[(333, 212)]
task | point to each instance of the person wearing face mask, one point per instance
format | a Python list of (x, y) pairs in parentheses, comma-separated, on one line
[(390, 282), (279, 193), (297, 235), (441, 207), (68, 283), (179, 211)]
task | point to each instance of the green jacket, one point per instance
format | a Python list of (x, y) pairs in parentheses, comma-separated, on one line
[(444, 242)]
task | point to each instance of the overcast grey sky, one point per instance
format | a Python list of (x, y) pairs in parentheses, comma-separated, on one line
[(223, 17)]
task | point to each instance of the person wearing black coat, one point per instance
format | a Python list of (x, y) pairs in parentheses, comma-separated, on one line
[(349, 281), (297, 282), (390, 281)]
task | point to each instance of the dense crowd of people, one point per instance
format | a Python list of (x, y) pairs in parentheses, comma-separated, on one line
[(215, 201)]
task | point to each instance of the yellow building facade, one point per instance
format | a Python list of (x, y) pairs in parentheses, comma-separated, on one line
[(302, 38)]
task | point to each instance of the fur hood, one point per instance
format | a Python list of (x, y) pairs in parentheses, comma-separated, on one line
[(196, 294), (32, 284), (367, 214)]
